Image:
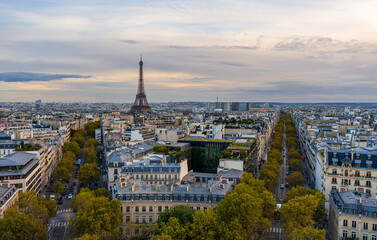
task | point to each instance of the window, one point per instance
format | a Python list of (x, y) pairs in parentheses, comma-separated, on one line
[(366, 226), (159, 208), (367, 184), (345, 233), (150, 209), (365, 236), (334, 171), (333, 181), (374, 227), (127, 209), (166, 208), (357, 173), (353, 235), (150, 218), (345, 222), (197, 208), (136, 209), (346, 173), (357, 183), (121, 231), (127, 219), (115, 171), (374, 237), (369, 174), (144, 219), (136, 231), (144, 209), (353, 224), (137, 219)]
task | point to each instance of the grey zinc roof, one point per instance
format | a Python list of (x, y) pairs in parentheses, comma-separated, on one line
[(120, 156), (3, 190), (16, 159), (231, 173)]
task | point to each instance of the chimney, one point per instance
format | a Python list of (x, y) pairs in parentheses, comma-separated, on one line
[(172, 187), (352, 153), (188, 187), (133, 187), (360, 199)]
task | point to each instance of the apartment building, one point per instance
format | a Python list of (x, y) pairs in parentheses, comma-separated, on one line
[(22, 170), (352, 215), (351, 169)]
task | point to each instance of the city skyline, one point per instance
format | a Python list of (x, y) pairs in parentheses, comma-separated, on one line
[(260, 51)]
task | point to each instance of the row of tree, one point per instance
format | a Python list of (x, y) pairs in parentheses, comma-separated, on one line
[(244, 213), (64, 169), (294, 157), (28, 218), (271, 170), (89, 172)]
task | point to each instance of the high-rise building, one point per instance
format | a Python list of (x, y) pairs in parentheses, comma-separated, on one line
[(141, 104)]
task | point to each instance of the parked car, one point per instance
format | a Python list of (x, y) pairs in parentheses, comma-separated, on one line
[(282, 186), (67, 181), (287, 184), (52, 196), (287, 173), (64, 193), (60, 201), (70, 196)]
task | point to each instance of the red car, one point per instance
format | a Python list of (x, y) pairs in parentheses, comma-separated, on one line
[(67, 181)]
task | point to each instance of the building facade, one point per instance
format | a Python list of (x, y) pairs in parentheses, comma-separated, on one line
[(352, 215), (351, 169)]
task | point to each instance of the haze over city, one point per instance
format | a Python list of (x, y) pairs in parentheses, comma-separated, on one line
[(296, 51)]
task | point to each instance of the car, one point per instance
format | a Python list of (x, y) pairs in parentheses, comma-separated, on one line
[(70, 196), (71, 192), (52, 196), (74, 183), (287, 184), (67, 181), (280, 201), (64, 193), (71, 188), (282, 186), (287, 173), (60, 201)]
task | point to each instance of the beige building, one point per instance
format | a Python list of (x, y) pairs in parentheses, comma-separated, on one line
[(351, 169), (22, 170), (8, 197), (352, 215)]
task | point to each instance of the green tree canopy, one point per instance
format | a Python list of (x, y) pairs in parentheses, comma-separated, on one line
[(91, 142), (78, 202), (173, 229), (298, 212), (79, 139), (17, 226), (29, 203), (183, 213), (90, 155), (89, 173), (72, 147), (296, 164), (295, 179), (98, 216), (58, 188), (161, 149), (320, 215), (204, 226)]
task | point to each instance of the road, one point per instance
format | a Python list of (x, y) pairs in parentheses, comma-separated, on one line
[(58, 226), (276, 230)]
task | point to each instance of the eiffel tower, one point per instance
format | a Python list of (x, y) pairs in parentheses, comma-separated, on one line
[(141, 104)]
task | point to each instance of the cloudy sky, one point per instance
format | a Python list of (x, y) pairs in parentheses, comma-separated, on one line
[(264, 50)]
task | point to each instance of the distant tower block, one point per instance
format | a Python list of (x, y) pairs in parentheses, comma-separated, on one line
[(141, 104)]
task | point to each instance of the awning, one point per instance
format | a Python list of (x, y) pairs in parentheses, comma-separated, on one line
[(369, 162), (357, 161), (334, 159)]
